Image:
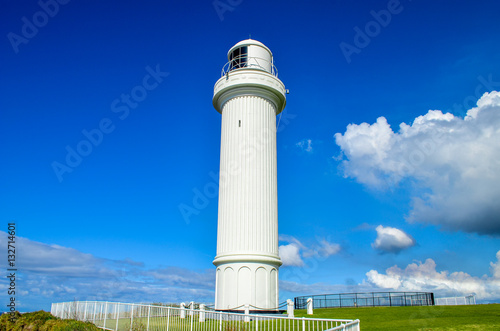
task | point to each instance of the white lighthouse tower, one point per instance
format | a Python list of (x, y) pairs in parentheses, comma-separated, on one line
[(249, 95)]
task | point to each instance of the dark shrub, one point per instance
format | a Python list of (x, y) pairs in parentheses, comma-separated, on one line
[(42, 321)]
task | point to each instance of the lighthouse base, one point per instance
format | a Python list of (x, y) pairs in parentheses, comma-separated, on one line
[(246, 283)]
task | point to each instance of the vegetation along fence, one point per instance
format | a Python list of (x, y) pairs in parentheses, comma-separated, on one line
[(139, 317), (370, 299)]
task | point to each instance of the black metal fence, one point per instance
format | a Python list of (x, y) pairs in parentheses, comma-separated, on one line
[(369, 299)]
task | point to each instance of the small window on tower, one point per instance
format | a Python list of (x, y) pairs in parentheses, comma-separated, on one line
[(235, 56), (243, 55), (239, 123), (239, 58)]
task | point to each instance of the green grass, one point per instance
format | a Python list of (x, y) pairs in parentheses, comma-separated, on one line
[(435, 318)]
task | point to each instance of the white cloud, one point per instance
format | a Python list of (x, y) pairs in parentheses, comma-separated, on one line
[(327, 248), (424, 277), (290, 255), (495, 267), (53, 259), (291, 239), (452, 163), (305, 145), (392, 240)]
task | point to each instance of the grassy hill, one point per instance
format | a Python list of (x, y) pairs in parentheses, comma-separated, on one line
[(435, 318), (42, 321)]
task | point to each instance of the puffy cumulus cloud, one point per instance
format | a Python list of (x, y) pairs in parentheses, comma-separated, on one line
[(452, 163), (495, 267), (424, 277), (392, 240), (53, 273), (305, 145), (292, 252), (290, 255)]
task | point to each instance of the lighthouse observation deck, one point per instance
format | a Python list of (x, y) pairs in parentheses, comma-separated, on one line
[(250, 54), (250, 70)]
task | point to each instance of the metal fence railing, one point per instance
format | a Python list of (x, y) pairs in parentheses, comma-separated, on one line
[(456, 301), (249, 62), (369, 299), (140, 317)]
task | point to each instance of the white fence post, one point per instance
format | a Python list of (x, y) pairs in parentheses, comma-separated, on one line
[(202, 313), (131, 317), (289, 308), (191, 307), (183, 310), (117, 315), (149, 314), (168, 317), (191, 313), (105, 313), (309, 306), (247, 312), (100, 312)]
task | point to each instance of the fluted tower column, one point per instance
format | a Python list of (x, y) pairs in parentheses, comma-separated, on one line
[(249, 96)]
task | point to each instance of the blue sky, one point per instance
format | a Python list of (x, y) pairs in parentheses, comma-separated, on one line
[(365, 202)]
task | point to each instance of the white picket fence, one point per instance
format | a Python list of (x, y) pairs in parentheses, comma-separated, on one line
[(456, 301), (140, 317)]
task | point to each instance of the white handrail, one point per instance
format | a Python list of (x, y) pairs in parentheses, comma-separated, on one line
[(250, 62)]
